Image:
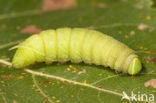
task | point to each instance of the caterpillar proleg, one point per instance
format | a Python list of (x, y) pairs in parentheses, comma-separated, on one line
[(77, 45)]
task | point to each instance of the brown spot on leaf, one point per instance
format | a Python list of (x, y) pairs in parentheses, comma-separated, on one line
[(149, 52), (151, 83), (132, 33), (45, 100), (150, 68), (100, 86), (102, 5), (31, 29), (43, 82), (14, 101), (40, 83), (138, 6), (6, 76), (37, 90), (142, 26), (154, 60), (150, 59), (5, 85), (143, 15), (80, 19), (126, 36), (49, 5), (47, 81), (81, 72), (96, 26)]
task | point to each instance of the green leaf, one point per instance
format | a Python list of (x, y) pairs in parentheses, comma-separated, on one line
[(62, 83)]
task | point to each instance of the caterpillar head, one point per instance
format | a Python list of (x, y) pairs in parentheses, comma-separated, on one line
[(135, 66)]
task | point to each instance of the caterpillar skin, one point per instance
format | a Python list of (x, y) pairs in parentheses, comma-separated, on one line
[(77, 45)]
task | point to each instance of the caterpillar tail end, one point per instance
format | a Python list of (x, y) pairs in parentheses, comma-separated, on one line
[(135, 66)]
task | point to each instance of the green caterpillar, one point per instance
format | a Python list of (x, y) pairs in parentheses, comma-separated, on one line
[(77, 45)]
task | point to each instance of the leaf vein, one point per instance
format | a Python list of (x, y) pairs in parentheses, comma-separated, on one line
[(14, 15), (73, 82), (41, 91), (3, 97)]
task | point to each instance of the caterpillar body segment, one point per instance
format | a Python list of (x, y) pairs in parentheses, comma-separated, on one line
[(88, 45), (76, 48), (50, 45), (77, 45), (63, 44)]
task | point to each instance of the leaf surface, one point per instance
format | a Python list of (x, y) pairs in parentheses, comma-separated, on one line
[(62, 83)]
